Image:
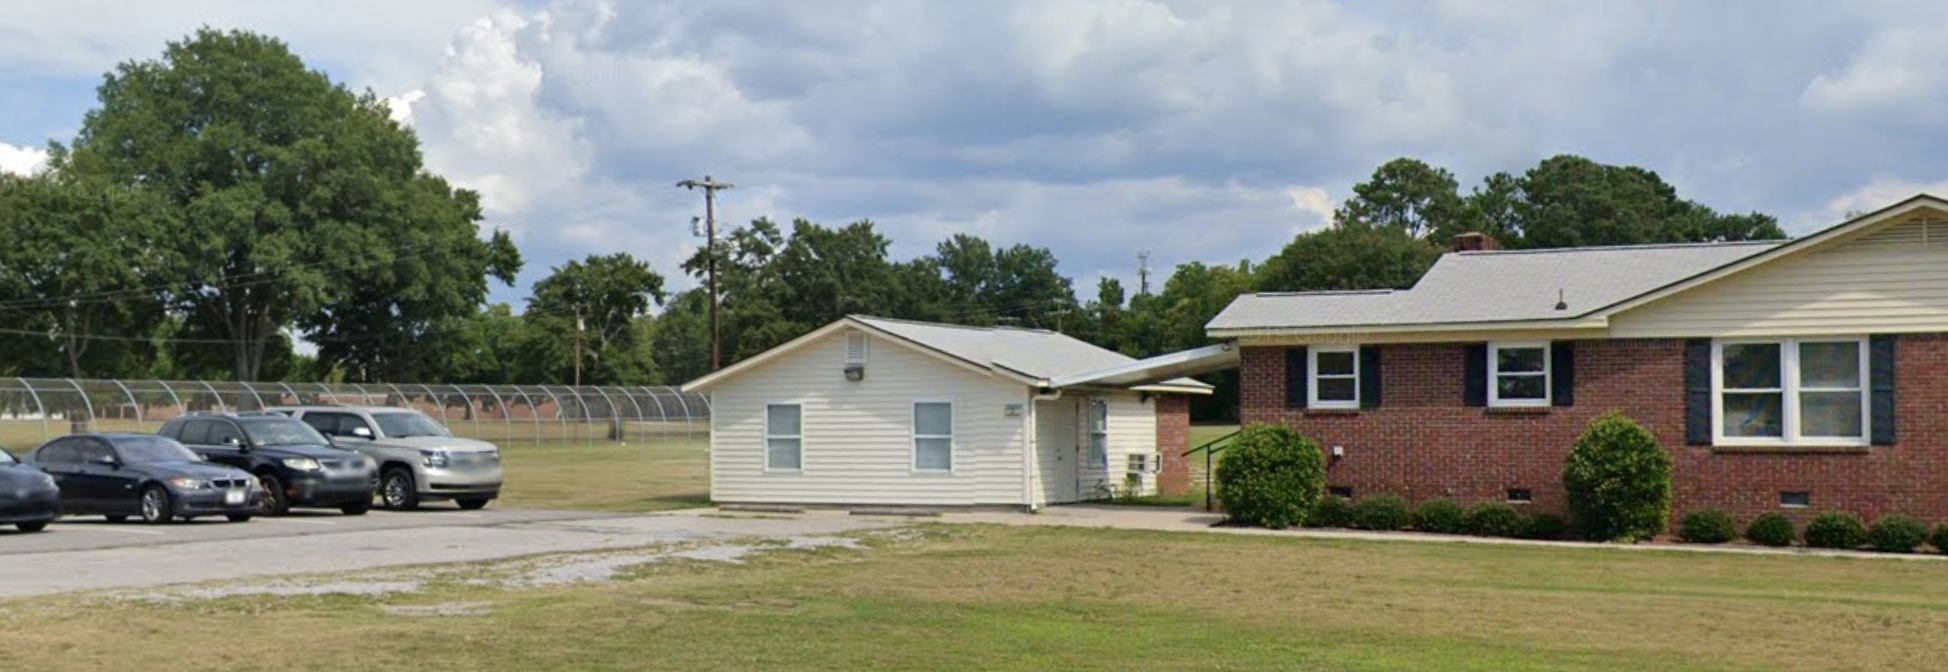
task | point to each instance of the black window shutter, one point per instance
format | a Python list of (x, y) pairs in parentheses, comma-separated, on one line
[(1295, 377), (1880, 372), (1562, 373), (1697, 392), (1369, 376), (1474, 375)]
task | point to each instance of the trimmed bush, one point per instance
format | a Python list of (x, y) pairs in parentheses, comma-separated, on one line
[(1331, 511), (1771, 529), (1382, 513), (1836, 530), (1439, 516), (1494, 519), (1270, 477), (1940, 539), (1897, 534), (1544, 526), (1618, 480), (1709, 526)]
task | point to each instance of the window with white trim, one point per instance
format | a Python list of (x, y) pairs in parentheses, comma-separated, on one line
[(855, 347), (1790, 391), (1099, 434), (933, 436), (1335, 377), (1518, 374), (784, 440)]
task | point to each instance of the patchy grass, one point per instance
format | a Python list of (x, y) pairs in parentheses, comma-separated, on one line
[(1202, 434), (991, 598), (652, 476)]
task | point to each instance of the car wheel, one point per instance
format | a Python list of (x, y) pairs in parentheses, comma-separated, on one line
[(156, 508), (272, 501), (32, 527), (239, 517), (356, 509), (471, 504), (398, 490), (117, 519)]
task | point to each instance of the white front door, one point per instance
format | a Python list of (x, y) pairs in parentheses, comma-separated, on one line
[(1056, 440)]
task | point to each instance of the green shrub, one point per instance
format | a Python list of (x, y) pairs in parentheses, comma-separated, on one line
[(1897, 534), (1331, 511), (1771, 529), (1708, 526), (1270, 477), (1382, 513), (1439, 516), (1618, 481), (1940, 538), (1494, 519), (1544, 526), (1836, 530)]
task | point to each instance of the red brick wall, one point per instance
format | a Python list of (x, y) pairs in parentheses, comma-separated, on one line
[(1173, 438), (1423, 443)]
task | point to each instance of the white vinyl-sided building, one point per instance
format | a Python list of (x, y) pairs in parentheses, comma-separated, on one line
[(870, 411)]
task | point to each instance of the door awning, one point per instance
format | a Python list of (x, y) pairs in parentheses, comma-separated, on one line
[(1162, 371)]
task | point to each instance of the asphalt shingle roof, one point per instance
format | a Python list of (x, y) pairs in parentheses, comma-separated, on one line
[(1030, 352), (1503, 286)]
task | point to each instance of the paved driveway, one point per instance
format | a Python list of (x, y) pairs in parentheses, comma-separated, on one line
[(86, 555)]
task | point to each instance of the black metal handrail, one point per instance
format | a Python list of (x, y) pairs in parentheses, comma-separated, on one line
[(1210, 448)]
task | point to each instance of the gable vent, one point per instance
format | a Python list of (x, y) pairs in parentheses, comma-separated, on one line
[(855, 347)]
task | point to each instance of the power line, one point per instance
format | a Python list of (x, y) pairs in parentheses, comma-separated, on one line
[(710, 188)]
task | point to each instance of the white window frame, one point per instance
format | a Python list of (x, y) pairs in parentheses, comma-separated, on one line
[(865, 348), (1495, 399), (1089, 427), (768, 436), (914, 436), (1789, 394), (1312, 399)]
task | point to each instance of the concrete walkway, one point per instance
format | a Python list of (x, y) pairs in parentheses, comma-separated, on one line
[(1179, 520)]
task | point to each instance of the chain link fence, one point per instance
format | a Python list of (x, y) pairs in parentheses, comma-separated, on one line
[(33, 410)]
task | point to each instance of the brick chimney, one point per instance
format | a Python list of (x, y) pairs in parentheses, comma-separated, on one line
[(1475, 242)]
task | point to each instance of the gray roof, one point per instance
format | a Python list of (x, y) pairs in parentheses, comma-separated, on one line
[(1501, 286), (1035, 353)]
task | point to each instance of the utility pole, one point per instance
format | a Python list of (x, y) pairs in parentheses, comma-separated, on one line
[(579, 327), (710, 187), (1143, 273)]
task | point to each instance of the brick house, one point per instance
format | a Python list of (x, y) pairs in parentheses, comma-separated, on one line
[(1798, 376)]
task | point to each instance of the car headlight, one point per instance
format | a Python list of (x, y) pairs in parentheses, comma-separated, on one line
[(301, 463), (434, 459), (188, 483)]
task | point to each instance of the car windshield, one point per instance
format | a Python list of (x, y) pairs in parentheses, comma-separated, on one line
[(407, 425), (7, 458), (138, 450), (281, 432)]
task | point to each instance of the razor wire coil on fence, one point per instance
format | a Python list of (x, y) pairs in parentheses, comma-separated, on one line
[(51, 407)]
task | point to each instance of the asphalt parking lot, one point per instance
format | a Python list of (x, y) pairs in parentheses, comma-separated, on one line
[(85, 554)]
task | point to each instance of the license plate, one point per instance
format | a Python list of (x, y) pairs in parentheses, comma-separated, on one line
[(233, 497)]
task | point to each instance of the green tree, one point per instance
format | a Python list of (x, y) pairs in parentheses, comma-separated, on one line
[(603, 301), (1408, 195), (292, 199), (1348, 256), (1571, 201), (74, 271)]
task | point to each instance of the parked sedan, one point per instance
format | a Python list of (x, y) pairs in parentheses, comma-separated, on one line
[(152, 477), (29, 499), (293, 464)]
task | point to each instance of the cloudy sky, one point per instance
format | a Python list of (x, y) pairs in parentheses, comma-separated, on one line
[(1197, 130)]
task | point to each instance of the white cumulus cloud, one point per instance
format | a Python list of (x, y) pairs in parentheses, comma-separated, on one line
[(21, 160)]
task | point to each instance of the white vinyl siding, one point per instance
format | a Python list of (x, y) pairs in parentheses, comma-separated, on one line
[(857, 444), (1132, 429), (1790, 392), (1890, 279), (1518, 374), (1334, 380)]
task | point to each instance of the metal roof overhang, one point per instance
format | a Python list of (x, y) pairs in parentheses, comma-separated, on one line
[(1155, 371)]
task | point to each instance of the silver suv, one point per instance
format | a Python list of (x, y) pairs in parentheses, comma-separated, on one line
[(418, 459)]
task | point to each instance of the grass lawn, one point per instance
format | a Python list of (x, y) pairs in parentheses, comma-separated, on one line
[(652, 476), (992, 598)]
